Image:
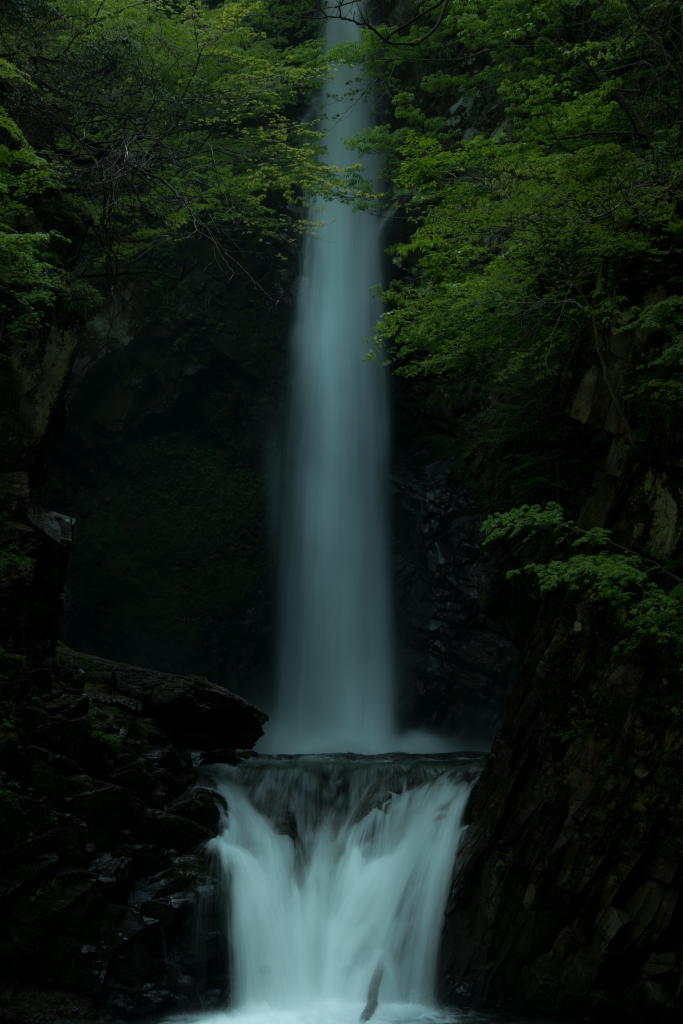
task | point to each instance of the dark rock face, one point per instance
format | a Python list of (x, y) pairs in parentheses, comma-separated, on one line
[(458, 662), (567, 884), (172, 399), (38, 547), (566, 888), (108, 896)]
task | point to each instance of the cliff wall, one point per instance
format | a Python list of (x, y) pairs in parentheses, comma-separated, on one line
[(565, 896)]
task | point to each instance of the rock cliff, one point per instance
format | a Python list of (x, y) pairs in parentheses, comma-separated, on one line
[(458, 643), (565, 896), (175, 389), (108, 898)]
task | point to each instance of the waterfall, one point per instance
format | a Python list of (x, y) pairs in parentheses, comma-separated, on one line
[(336, 863), (335, 658)]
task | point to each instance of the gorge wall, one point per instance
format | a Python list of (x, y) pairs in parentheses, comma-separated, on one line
[(172, 401), (566, 888)]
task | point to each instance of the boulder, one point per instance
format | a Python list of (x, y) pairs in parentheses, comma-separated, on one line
[(134, 776), (172, 912), (197, 714), (66, 735), (44, 911), (69, 840), (80, 957)]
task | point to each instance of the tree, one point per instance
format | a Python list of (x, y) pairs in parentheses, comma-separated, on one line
[(164, 121), (536, 150)]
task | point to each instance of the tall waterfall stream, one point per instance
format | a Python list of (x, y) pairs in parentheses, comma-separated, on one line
[(337, 866), (335, 657)]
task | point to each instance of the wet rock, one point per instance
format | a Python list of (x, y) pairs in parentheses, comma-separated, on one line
[(179, 876), (168, 830), (197, 713), (222, 756), (68, 839), (69, 706), (161, 794), (148, 860), (566, 892), (135, 777), (103, 810), (82, 959), (21, 817), (59, 764), (39, 914), (66, 735), (189, 710), (87, 837), (459, 664), (172, 912), (202, 806), (14, 878), (140, 982), (113, 874)]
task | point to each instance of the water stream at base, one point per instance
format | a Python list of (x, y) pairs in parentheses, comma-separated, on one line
[(334, 863)]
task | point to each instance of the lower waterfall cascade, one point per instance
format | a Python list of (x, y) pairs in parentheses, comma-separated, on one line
[(335, 864)]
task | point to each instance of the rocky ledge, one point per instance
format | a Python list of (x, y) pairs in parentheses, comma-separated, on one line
[(107, 894)]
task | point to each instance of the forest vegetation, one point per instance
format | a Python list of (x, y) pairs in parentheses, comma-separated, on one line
[(535, 152), (130, 127), (532, 152)]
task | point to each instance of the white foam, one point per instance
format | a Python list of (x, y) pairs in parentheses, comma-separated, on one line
[(362, 875)]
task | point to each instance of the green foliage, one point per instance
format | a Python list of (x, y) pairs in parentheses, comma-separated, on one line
[(30, 279), (129, 129), (536, 151), (656, 395), (650, 610), (14, 563), (169, 121)]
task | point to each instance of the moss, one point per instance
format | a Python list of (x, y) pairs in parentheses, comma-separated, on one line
[(14, 563)]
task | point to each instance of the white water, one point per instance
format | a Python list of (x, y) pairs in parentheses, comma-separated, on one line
[(334, 863), (335, 658)]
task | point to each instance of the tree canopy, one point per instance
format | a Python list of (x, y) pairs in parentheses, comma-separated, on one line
[(146, 124), (535, 150)]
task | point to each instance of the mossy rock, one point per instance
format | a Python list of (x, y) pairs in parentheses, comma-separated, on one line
[(9, 742), (11, 669), (48, 908)]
